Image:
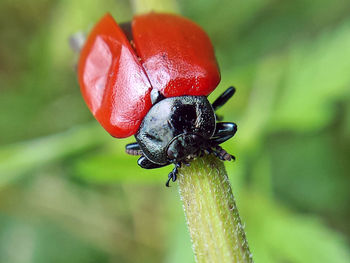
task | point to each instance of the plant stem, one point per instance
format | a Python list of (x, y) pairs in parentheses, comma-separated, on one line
[(212, 216)]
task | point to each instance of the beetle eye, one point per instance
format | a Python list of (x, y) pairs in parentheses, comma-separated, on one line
[(156, 96)]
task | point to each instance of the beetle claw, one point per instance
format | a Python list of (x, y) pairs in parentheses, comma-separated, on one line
[(168, 181), (174, 177), (173, 174)]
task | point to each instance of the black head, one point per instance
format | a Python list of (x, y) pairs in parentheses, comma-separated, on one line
[(176, 128), (185, 147)]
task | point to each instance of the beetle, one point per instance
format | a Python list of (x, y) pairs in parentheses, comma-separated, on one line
[(150, 78)]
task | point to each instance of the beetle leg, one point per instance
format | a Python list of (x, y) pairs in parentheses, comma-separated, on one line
[(222, 154), (173, 174), (168, 181), (223, 98), (143, 162), (133, 149), (223, 132)]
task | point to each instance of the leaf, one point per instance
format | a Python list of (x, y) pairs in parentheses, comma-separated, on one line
[(106, 168), (317, 76), (309, 172), (34, 239), (21, 158), (276, 234)]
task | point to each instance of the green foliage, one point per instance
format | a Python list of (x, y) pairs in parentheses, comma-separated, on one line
[(66, 185), (278, 235)]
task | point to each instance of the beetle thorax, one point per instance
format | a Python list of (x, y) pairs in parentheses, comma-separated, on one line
[(176, 128)]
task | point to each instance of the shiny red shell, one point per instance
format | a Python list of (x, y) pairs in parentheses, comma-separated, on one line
[(170, 53)]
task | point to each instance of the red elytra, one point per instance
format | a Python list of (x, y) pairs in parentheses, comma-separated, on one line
[(171, 54)]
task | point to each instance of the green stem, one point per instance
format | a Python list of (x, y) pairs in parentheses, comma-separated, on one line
[(212, 216)]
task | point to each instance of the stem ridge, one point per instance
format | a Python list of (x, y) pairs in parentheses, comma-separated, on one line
[(212, 216)]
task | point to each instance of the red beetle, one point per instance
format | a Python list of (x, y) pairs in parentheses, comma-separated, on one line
[(150, 78)]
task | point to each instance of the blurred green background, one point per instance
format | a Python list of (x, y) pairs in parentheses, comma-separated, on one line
[(68, 193)]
